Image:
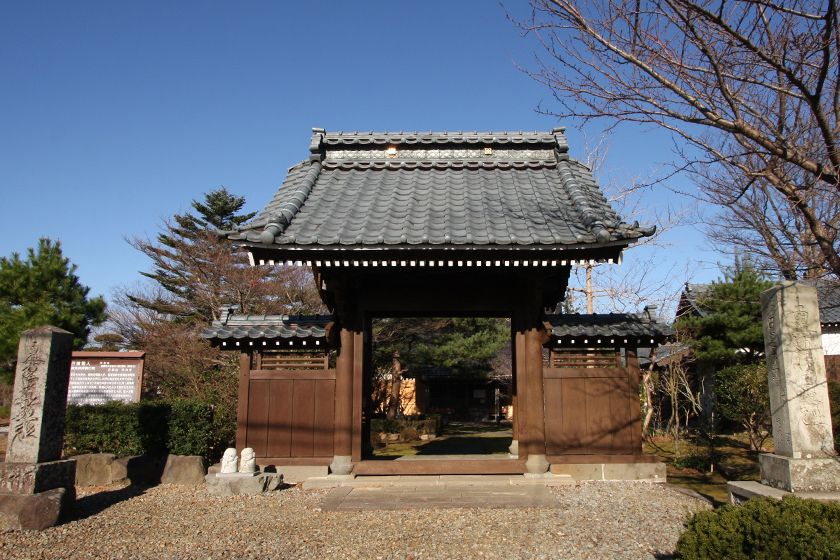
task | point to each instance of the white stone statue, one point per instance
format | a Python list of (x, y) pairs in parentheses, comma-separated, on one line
[(229, 460), (248, 461)]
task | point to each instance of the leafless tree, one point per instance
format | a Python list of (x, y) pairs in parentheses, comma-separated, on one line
[(764, 225), (642, 277), (747, 87)]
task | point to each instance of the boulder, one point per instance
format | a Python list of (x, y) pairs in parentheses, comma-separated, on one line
[(186, 470), (141, 470), (34, 511), (93, 469), (243, 485)]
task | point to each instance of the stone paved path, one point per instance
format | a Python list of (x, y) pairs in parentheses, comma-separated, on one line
[(454, 495)]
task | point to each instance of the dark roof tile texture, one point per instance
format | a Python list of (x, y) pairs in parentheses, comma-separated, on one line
[(828, 294), (267, 327), (369, 201), (606, 325)]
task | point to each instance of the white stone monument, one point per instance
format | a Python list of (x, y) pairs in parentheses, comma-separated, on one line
[(804, 459)]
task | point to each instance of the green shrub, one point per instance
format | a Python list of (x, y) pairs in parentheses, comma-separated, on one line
[(190, 428), (181, 427), (764, 529)]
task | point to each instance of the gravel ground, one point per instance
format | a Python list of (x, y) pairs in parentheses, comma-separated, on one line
[(595, 520)]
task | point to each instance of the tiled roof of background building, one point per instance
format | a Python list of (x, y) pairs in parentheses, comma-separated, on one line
[(439, 189), (828, 294), (828, 299)]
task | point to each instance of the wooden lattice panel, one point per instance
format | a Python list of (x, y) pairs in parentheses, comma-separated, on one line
[(291, 361), (584, 358)]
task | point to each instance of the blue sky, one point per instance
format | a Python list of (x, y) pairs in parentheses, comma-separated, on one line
[(115, 115)]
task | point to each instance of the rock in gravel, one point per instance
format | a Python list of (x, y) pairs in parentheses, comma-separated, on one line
[(184, 469)]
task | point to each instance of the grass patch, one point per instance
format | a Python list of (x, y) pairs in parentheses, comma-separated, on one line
[(695, 465), (459, 438)]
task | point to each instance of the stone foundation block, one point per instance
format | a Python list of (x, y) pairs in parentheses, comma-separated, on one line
[(579, 472), (298, 473), (800, 475), (34, 511), (236, 486), (94, 469), (653, 472), (650, 472), (32, 478), (187, 470)]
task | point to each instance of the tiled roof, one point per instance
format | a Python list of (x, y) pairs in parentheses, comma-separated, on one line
[(439, 189), (828, 299), (606, 325), (689, 300), (267, 327), (828, 294)]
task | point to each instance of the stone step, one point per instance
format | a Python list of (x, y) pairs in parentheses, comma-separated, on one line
[(436, 481)]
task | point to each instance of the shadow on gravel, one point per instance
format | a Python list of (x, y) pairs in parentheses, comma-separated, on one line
[(93, 504)]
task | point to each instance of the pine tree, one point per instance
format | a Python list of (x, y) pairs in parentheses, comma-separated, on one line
[(195, 272), (43, 289), (730, 337), (731, 330)]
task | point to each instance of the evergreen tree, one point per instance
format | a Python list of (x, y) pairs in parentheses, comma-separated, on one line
[(730, 337), (466, 346), (195, 272), (730, 332), (43, 289)]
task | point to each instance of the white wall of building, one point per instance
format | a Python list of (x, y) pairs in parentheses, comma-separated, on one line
[(831, 344)]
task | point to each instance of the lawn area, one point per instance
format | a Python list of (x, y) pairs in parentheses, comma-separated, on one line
[(458, 438), (689, 464)]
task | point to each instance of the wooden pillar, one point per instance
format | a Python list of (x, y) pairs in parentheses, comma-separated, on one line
[(242, 400), (358, 399), (344, 367), (532, 403), (634, 380)]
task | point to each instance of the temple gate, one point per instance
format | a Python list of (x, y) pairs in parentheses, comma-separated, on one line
[(437, 224)]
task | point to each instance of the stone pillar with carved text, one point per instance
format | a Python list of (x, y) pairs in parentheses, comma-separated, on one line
[(804, 458), (35, 484)]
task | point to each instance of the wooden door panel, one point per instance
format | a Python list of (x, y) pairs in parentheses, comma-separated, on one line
[(290, 413), (590, 413), (324, 418), (258, 403), (303, 412), (280, 418)]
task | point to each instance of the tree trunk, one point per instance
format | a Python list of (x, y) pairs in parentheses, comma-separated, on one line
[(396, 382)]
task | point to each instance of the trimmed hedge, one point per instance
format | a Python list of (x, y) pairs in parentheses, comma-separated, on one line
[(181, 427), (764, 528)]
